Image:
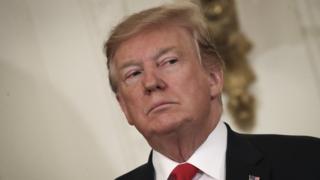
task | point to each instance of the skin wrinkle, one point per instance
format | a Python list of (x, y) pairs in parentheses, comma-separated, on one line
[(175, 130), (193, 33), (156, 56)]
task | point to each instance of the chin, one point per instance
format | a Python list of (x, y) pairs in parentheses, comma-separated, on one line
[(165, 126)]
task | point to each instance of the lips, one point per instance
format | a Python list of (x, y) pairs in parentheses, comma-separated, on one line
[(158, 105)]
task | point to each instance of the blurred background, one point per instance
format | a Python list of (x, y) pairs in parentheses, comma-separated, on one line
[(59, 118)]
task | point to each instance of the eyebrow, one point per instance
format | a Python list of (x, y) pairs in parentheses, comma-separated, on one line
[(129, 63), (161, 52)]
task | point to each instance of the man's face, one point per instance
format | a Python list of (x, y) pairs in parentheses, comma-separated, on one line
[(162, 86)]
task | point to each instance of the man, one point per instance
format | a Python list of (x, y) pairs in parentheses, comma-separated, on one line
[(168, 80)]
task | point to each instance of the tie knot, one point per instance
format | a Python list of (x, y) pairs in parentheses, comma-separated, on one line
[(184, 171)]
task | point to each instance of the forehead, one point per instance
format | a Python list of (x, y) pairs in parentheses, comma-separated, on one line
[(148, 42)]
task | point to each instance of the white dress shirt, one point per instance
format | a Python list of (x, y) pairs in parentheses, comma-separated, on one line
[(209, 158)]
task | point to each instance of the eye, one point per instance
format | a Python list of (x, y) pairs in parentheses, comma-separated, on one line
[(132, 74), (173, 61), (168, 61)]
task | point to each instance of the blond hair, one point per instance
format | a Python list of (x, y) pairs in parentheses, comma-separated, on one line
[(185, 15)]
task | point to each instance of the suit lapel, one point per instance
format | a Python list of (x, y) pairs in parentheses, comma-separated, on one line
[(244, 160), (148, 171)]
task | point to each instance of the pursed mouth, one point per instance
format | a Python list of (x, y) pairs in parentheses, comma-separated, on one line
[(159, 105)]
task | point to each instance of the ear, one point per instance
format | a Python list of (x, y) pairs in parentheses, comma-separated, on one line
[(124, 108), (216, 80)]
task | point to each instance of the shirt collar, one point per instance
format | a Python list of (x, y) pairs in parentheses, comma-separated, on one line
[(209, 157)]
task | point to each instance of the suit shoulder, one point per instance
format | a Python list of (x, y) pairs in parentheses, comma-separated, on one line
[(144, 171), (283, 140), (290, 157), (286, 146)]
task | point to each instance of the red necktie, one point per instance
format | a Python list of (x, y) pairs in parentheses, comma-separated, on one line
[(184, 171)]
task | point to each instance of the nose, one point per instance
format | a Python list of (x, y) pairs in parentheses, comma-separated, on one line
[(152, 82)]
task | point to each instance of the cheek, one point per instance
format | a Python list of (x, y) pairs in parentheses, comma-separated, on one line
[(134, 112), (193, 81), (196, 89), (130, 93), (131, 101), (191, 89), (134, 105)]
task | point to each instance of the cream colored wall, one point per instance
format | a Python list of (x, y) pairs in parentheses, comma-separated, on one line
[(58, 118), (286, 59)]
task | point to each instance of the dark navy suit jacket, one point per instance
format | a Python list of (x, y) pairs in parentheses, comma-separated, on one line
[(270, 157)]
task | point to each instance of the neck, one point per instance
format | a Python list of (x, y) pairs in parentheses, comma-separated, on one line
[(182, 143)]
